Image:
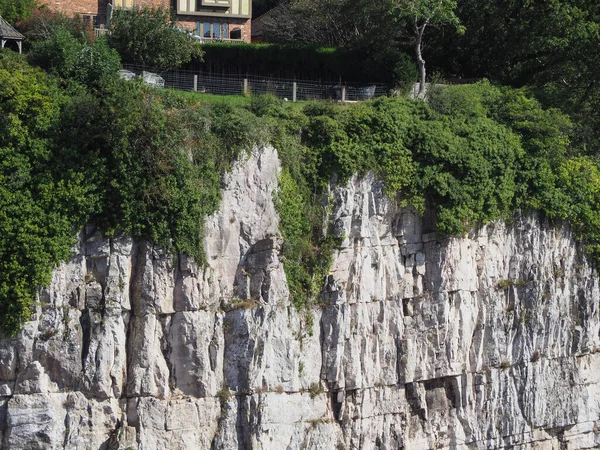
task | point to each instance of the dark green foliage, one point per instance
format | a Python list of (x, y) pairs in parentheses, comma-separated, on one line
[(14, 10), (337, 23), (304, 61), (148, 36), (550, 46), (75, 59), (38, 206), (149, 162), (579, 179), (43, 23), (57, 54), (115, 155), (404, 73)]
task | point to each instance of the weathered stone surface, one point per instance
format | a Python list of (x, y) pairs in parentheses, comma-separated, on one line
[(486, 341), (196, 357), (3, 403), (8, 361), (32, 422)]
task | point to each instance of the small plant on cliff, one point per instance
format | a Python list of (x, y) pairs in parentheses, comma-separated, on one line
[(505, 284), (307, 253), (224, 395), (505, 365), (315, 390)]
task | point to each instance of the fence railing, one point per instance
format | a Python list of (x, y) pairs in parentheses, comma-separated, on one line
[(293, 90)]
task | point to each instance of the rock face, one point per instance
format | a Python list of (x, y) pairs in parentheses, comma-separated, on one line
[(487, 341)]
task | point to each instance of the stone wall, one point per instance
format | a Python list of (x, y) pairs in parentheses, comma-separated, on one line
[(481, 342)]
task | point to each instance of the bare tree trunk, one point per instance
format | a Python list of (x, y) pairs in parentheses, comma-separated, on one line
[(420, 61)]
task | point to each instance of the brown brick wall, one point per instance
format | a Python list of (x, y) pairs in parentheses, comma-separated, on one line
[(94, 7), (71, 7), (189, 23)]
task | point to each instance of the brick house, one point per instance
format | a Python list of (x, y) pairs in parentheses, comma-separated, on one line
[(212, 20)]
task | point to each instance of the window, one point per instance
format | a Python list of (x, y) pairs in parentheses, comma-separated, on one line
[(214, 30), (123, 3), (206, 30), (89, 19)]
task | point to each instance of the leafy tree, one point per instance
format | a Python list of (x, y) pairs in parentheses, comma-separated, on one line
[(149, 37), (15, 10), (364, 31), (76, 59), (43, 23), (551, 46), (337, 23), (259, 7), (421, 14)]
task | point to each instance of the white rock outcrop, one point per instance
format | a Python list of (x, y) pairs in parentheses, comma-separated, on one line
[(487, 341)]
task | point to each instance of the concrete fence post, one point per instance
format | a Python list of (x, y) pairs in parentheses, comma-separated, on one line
[(294, 91), (245, 87), (343, 94), (195, 83)]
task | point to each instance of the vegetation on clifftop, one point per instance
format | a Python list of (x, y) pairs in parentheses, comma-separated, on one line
[(84, 146)]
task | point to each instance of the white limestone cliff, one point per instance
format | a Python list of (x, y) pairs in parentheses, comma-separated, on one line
[(486, 341)]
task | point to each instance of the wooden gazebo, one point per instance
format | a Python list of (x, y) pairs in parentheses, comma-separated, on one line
[(8, 33)]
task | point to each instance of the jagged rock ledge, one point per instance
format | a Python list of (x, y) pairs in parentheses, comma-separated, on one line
[(487, 341)]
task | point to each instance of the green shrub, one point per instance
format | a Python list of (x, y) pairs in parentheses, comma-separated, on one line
[(72, 58), (405, 73), (149, 37), (13, 10), (38, 207)]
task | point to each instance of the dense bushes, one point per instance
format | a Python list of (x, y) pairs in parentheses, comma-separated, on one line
[(475, 154), (148, 36), (13, 10), (149, 162), (38, 205), (88, 63), (115, 155)]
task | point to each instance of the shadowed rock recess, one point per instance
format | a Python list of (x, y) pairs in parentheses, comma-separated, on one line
[(487, 341)]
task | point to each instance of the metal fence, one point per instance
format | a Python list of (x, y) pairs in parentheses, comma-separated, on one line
[(292, 90)]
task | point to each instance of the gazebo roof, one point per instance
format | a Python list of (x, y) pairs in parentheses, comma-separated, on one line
[(8, 32)]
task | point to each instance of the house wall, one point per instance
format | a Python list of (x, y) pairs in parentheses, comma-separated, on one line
[(99, 8), (95, 7), (80, 7), (233, 8)]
